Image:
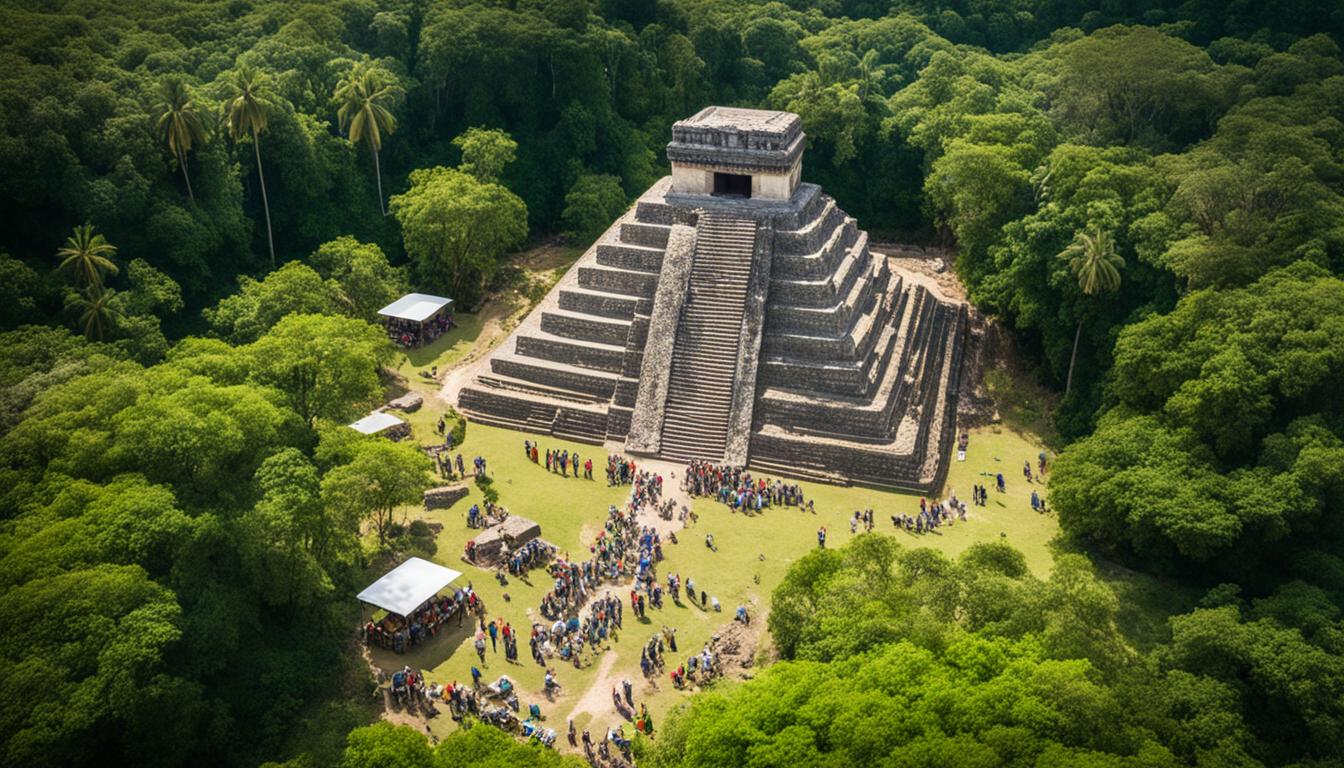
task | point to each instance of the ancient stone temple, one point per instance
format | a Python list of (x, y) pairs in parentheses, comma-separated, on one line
[(736, 314)]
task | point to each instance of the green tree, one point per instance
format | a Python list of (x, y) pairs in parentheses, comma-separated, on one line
[(367, 94), (381, 476), (98, 316), (249, 100), (1096, 266), (291, 536), (591, 205), (384, 745), (86, 256), (868, 69), (178, 123), (294, 288), (327, 367), (977, 188), (456, 227), (485, 153), (365, 281), (86, 669)]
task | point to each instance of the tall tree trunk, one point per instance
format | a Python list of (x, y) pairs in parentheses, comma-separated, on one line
[(182, 161), (378, 174), (1068, 382), (265, 204)]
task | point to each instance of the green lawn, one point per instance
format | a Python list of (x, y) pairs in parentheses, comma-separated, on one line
[(753, 552), (443, 351)]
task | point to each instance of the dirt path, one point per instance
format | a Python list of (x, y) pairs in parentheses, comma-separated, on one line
[(497, 319), (596, 701)]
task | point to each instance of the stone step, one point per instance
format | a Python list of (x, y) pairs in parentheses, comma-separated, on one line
[(585, 327), (822, 261), (640, 233), (560, 349), (857, 341), (581, 381), (637, 258), (783, 317), (580, 426), (506, 384), (620, 281), (855, 264), (598, 303)]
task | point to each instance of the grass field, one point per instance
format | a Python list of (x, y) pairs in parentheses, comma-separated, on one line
[(753, 555), (443, 351)]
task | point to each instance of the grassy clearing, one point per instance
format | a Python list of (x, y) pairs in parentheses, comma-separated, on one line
[(753, 554), (443, 351)]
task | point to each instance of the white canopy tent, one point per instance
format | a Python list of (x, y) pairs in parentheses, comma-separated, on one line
[(376, 422), (415, 307), (408, 586)]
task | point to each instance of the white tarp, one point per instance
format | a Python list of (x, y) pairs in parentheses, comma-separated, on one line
[(376, 422), (408, 586), (416, 307)]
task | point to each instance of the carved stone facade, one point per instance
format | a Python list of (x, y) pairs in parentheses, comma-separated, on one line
[(756, 330), (718, 146)]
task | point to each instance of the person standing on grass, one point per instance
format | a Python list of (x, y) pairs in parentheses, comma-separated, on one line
[(821, 537), (494, 634)]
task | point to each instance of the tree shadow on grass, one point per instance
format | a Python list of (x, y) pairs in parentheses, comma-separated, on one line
[(433, 651), (467, 330)]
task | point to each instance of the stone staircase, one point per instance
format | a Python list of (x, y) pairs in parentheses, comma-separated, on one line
[(562, 371), (849, 368), (705, 355)]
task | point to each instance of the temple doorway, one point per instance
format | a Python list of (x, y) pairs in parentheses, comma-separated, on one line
[(732, 185)]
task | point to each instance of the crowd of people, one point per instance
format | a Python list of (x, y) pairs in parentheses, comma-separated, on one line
[(735, 487), (620, 470), (445, 463), (647, 490), (531, 555), (493, 514), (931, 515), (409, 334), (623, 548), (559, 461), (399, 633), (583, 609)]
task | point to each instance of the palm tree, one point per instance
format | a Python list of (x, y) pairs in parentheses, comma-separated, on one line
[(87, 256), (366, 95), (248, 102), (867, 67), (97, 316), (1096, 266), (178, 123)]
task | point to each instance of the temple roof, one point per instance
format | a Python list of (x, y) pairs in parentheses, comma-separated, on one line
[(742, 120), (739, 140)]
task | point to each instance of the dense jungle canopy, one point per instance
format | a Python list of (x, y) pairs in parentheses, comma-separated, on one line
[(1149, 194)]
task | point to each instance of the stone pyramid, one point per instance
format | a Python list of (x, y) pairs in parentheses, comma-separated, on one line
[(736, 315)]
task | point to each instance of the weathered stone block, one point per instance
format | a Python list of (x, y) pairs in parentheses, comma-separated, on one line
[(409, 402), (445, 496)]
